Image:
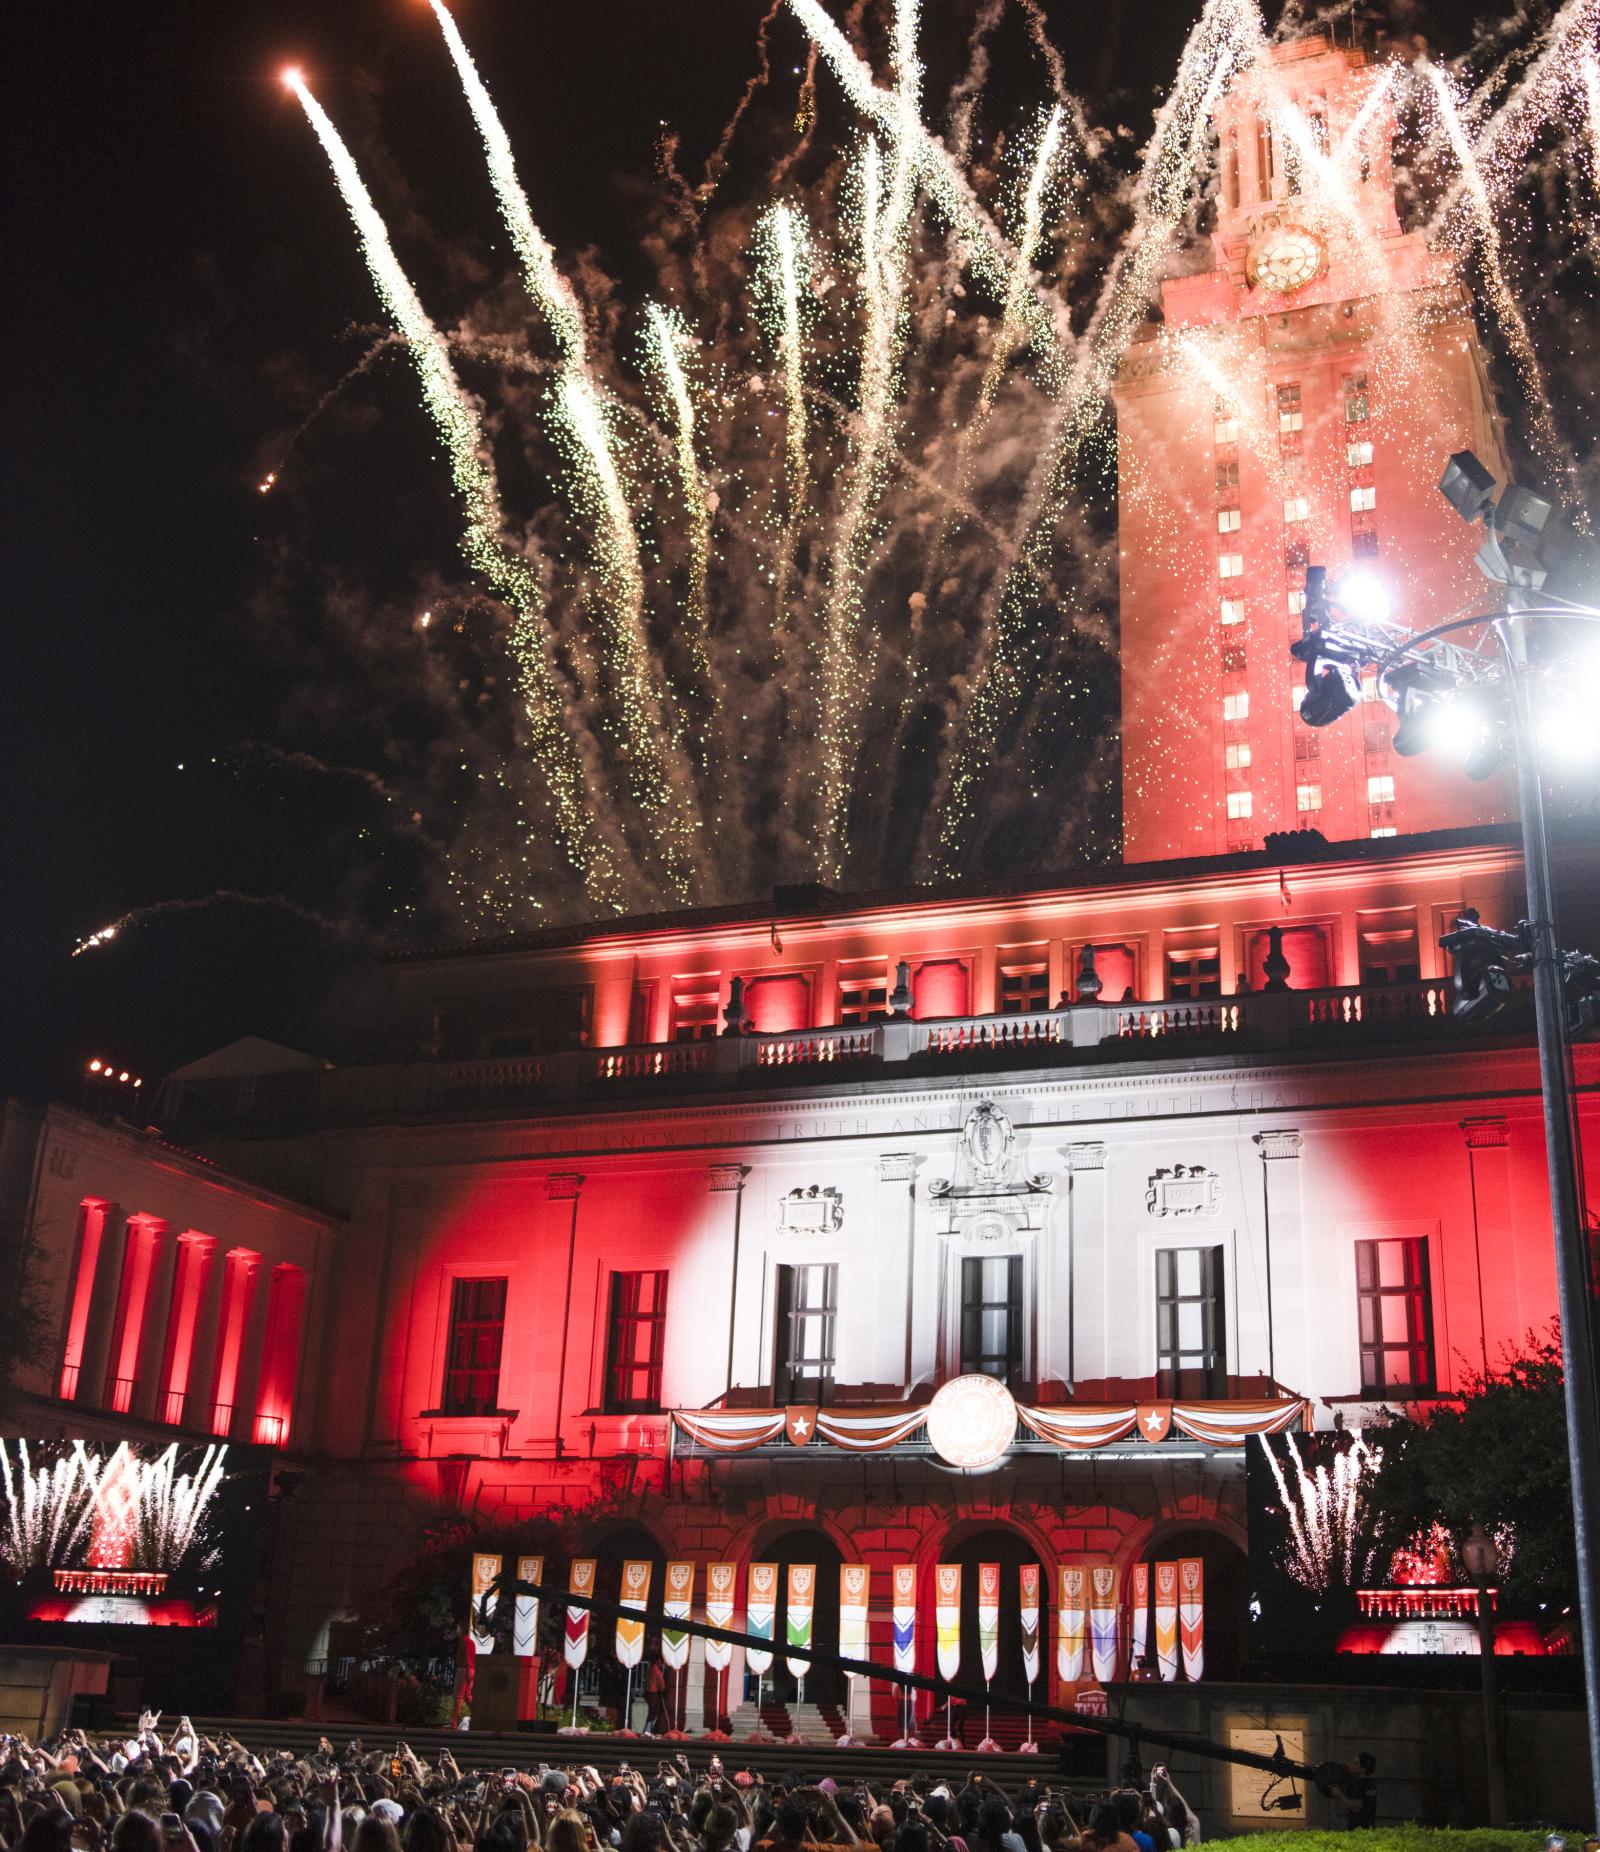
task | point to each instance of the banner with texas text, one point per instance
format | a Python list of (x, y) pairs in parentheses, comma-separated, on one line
[(1071, 1622), (1103, 1621), (947, 1617), (855, 1581), (1139, 1600), (1167, 1620), (525, 1614), (1192, 1615), (721, 1582), (676, 1602), (1028, 1582), (485, 1601), (905, 1617), (760, 1614), (575, 1648), (798, 1610)]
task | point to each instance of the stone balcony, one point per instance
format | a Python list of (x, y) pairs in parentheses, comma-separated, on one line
[(1252, 1025)]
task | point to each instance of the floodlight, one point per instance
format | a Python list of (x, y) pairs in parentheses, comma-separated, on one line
[(1467, 486), (1521, 515), (1415, 732), (1363, 596)]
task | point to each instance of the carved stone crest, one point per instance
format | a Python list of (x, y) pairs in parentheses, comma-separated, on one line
[(1184, 1189), (987, 1199), (814, 1210)]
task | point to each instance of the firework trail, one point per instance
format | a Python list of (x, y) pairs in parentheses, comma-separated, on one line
[(1015, 328), (48, 1508), (510, 575), (223, 897), (666, 338), (1513, 324)]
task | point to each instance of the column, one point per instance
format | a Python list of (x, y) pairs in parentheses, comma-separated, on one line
[(207, 1335), (1284, 1356), (255, 1337), (93, 1218), (160, 1309), (1498, 1312), (565, 1187), (103, 1308), (728, 1180), (895, 1245), (1088, 1285)]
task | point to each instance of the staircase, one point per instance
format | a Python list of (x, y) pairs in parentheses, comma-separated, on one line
[(806, 1723)]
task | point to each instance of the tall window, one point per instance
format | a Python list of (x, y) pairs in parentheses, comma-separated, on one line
[(1191, 1333), (1195, 972), (638, 1333), (1290, 415), (1356, 403), (1024, 988), (472, 1360), (808, 1302), (1396, 1320), (1389, 955), (991, 1315)]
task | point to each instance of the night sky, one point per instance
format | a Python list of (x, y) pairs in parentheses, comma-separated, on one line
[(185, 286)]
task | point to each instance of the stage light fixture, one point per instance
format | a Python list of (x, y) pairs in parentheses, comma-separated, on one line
[(1521, 516), (1363, 596), (1483, 761), (1415, 730), (1330, 693), (1467, 486)]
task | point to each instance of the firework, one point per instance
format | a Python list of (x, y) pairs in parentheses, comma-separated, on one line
[(1331, 1542), (48, 1511), (511, 575)]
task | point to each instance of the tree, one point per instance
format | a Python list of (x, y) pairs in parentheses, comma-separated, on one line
[(1497, 1458)]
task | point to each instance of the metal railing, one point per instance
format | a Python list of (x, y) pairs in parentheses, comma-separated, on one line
[(1262, 1021)]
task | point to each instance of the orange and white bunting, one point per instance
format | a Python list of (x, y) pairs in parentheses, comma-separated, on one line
[(1192, 1615), (1072, 1619), (1167, 1620)]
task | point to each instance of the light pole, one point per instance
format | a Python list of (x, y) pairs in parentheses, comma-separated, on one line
[(1482, 1560), (1422, 670)]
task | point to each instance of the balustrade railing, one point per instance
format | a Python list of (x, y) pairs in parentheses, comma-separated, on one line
[(1264, 1020)]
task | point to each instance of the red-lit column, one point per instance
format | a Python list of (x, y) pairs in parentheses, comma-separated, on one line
[(93, 1215), (103, 1301), (141, 1252), (193, 1264), (153, 1333), (250, 1357), (280, 1356), (207, 1339), (239, 1287)]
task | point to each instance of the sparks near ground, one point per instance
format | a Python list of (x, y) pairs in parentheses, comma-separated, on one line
[(824, 566)]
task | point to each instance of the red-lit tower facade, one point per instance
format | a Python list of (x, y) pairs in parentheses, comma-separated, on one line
[(1294, 406)]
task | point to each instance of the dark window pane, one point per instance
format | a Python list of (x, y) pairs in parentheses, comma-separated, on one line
[(472, 1350), (638, 1334)]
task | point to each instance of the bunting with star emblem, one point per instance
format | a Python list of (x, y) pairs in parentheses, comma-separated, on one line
[(1103, 1621), (799, 1424), (989, 1618), (1139, 1631), (760, 1613), (575, 1648), (634, 1599), (525, 1614), (676, 1602), (1029, 1581), (1070, 1623), (721, 1580), (484, 1601), (1167, 1620), (797, 1613), (1192, 1615), (905, 1617), (947, 1618), (855, 1581)]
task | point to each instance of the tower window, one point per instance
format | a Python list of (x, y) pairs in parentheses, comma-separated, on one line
[(1386, 830), (1359, 455), (1240, 803), (1232, 657), (1356, 403), (1296, 600), (1230, 566), (1363, 498), (1233, 610), (1291, 416), (1227, 520), (1380, 790), (1236, 706), (1225, 431), (1237, 754), (1296, 508), (1296, 556), (1308, 797), (1228, 474), (1307, 746), (1364, 543)]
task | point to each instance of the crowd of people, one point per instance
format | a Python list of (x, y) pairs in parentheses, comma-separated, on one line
[(187, 1792)]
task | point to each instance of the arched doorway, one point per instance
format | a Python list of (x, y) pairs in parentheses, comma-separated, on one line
[(1227, 1591), (1009, 1549), (805, 1544), (603, 1681)]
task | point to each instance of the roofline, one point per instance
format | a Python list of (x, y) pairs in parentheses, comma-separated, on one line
[(1360, 852)]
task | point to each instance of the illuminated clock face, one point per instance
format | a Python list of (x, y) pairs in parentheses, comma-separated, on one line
[(1285, 259)]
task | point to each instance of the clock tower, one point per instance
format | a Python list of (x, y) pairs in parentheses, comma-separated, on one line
[(1294, 406)]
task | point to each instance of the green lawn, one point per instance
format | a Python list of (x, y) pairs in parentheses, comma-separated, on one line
[(1396, 1839)]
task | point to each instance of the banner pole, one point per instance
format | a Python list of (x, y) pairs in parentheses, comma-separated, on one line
[(1030, 1713), (988, 1709), (627, 1699)]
